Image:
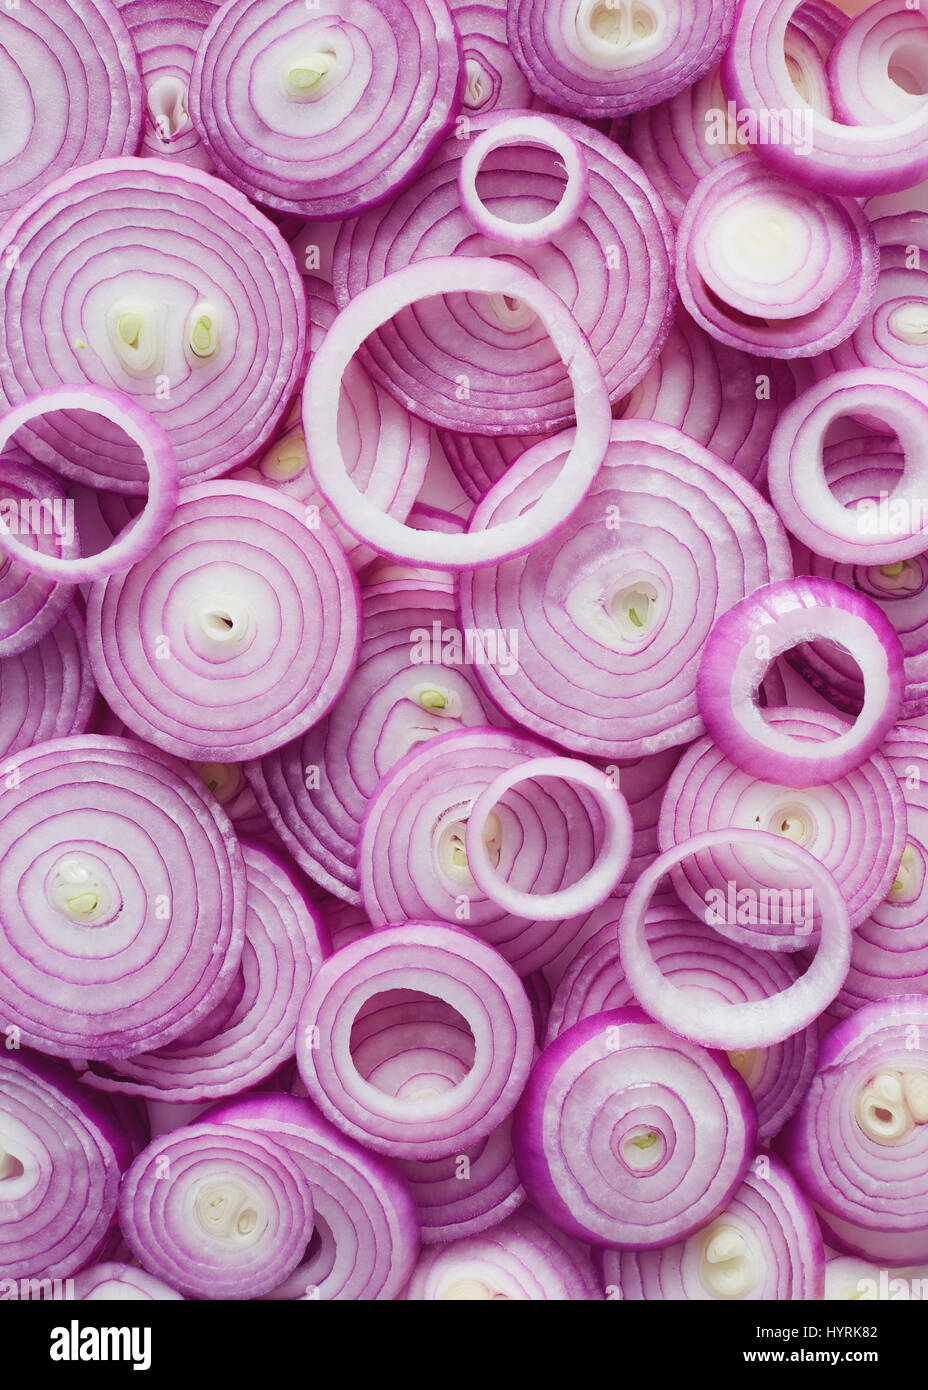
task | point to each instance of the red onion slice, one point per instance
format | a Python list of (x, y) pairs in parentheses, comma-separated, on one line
[(854, 826), (761, 628), (73, 92), (324, 110), (113, 1282), (612, 612), (216, 1211), (603, 58), (245, 623), (34, 505), (755, 1022), (879, 67), (893, 334), (123, 897), (525, 130), (165, 36), (365, 1237), (626, 1135), (163, 283), (766, 1245), (492, 77), (416, 1041), (47, 692), (859, 1142), (858, 1280), (467, 1193), (372, 308)]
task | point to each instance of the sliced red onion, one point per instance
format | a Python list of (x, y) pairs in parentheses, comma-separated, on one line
[(855, 826), (251, 1031), (766, 1244), (752, 1022), (60, 1156), (611, 857), (610, 57), (895, 330), (369, 311), (366, 1236), (246, 626), (124, 898), (612, 612), (688, 950), (216, 1211), (859, 1142), (415, 851), (492, 77), (833, 157), (642, 782), (165, 36), (416, 1041), (521, 131), (523, 1258), (874, 532), (765, 266), (344, 922), (414, 679), (626, 1135), (232, 790), (860, 1281), (34, 505), (484, 364), (879, 67), (478, 461), (326, 109), (723, 399), (72, 92), (761, 628), (47, 692), (114, 1282), (466, 1193), (163, 283), (385, 448)]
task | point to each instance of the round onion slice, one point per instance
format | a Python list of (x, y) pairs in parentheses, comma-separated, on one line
[(123, 897), (245, 623), (416, 1041), (860, 1281), (372, 308), (879, 67), (484, 364), (755, 1022), (467, 1193), (323, 110), (415, 678), (72, 92), (612, 612), (525, 130), (365, 1235), (165, 36), (854, 826), (894, 528), (609, 57), (894, 333), (766, 1244), (34, 506), (252, 1030), (61, 1151), (626, 1135), (492, 77), (686, 949), (48, 691), (216, 1212), (523, 1258), (163, 283), (113, 1282), (859, 1142), (761, 628)]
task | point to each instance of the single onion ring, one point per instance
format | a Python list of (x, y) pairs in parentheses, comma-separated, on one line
[(886, 35), (525, 130), (598, 881), (136, 541), (755, 1023), (367, 312), (762, 627)]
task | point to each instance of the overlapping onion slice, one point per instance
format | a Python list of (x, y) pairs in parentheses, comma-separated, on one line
[(611, 268), (161, 282), (610, 57), (879, 66), (47, 692), (245, 623), (895, 331), (492, 77), (627, 1135), (467, 1193), (414, 679), (114, 1282), (324, 110), (165, 36), (766, 267), (416, 1040), (72, 92), (688, 951), (859, 1142), (34, 506), (847, 1278), (612, 612), (216, 1211), (525, 1258), (766, 1244), (365, 1234), (855, 826), (123, 898)]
